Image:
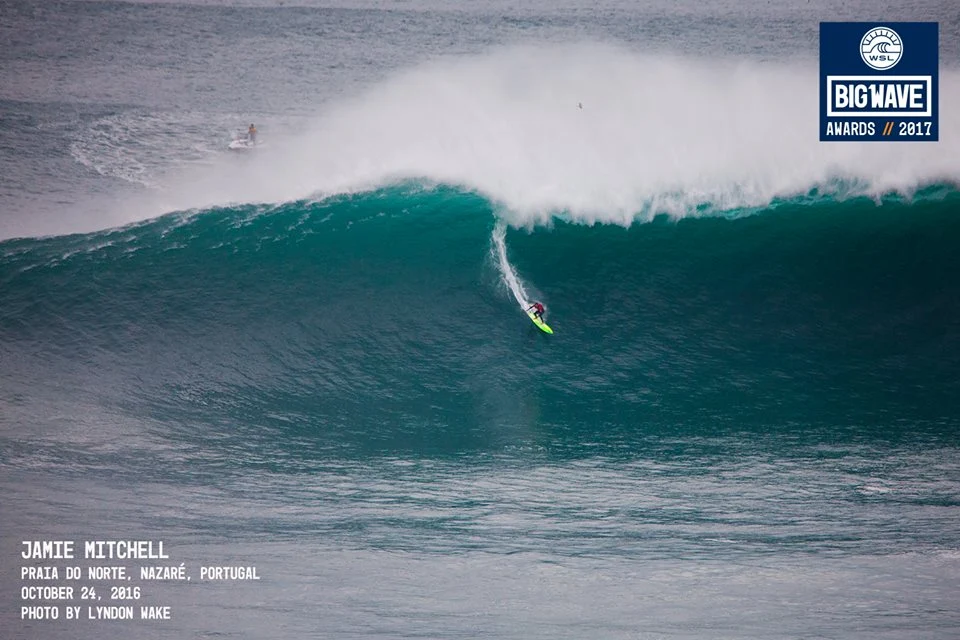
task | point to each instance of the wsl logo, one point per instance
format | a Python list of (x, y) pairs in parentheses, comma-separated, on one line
[(861, 98), (881, 48)]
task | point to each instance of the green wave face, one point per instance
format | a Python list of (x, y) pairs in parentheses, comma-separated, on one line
[(380, 322)]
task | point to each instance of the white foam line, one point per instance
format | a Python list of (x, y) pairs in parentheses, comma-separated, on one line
[(507, 273)]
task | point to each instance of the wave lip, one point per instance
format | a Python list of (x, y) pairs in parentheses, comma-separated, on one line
[(601, 133), (589, 132)]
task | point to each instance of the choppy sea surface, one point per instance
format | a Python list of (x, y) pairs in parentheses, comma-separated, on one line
[(311, 357)]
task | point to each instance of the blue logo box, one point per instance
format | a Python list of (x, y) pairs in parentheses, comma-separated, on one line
[(878, 82)]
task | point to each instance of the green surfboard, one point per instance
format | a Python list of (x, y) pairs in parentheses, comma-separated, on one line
[(540, 323)]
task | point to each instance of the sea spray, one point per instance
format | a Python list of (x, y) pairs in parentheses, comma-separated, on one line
[(657, 134)]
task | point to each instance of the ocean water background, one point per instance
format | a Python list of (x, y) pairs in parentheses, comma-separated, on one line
[(306, 358)]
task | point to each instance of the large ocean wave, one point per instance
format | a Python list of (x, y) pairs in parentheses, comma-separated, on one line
[(384, 319), (706, 264)]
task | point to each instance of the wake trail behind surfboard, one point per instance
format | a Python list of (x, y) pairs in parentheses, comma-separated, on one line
[(508, 275)]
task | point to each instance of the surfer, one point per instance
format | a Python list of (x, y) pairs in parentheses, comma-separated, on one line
[(252, 134), (537, 310)]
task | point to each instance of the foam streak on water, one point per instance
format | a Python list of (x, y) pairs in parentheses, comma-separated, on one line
[(498, 249)]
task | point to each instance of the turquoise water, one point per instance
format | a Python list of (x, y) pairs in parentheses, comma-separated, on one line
[(379, 323), (311, 359)]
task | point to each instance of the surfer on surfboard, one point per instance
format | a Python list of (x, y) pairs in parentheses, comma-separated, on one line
[(537, 309)]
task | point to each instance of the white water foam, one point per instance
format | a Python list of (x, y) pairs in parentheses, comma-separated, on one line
[(655, 134), (139, 146)]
